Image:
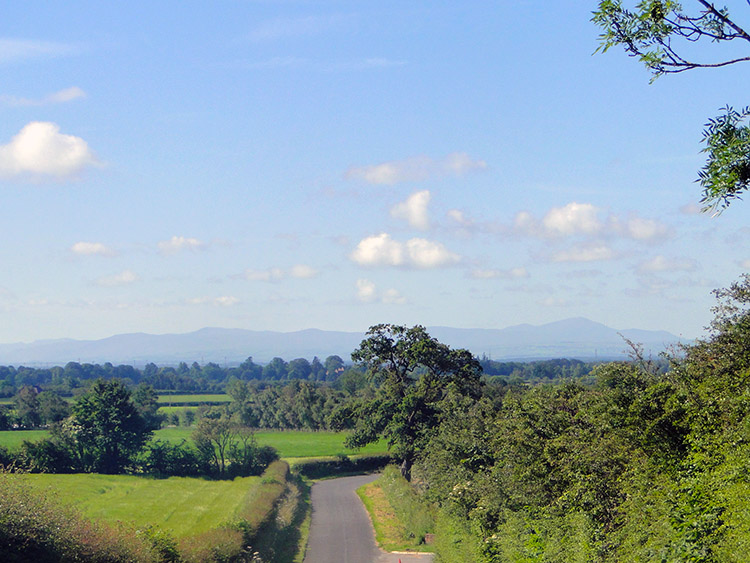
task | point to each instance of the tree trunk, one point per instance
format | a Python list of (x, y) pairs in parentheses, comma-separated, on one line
[(406, 468)]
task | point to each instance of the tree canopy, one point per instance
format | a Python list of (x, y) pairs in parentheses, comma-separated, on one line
[(107, 427), (662, 35), (415, 373)]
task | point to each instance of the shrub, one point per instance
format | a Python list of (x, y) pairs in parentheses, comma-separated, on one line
[(328, 467), (168, 459), (46, 456)]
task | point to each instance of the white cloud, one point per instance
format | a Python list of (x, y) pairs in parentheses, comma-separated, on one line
[(60, 97), (585, 253), (379, 250), (571, 219), (382, 250), (303, 271), (662, 264), (459, 217), (393, 297), (12, 50), (425, 253), (176, 244), (745, 264), (40, 149), (638, 228), (414, 210), (271, 274), (574, 218), (92, 249), (299, 271), (415, 169), (367, 292), (512, 274), (584, 220), (126, 277)]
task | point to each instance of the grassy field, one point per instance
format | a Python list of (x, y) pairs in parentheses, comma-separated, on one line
[(181, 505), (289, 444), (12, 439)]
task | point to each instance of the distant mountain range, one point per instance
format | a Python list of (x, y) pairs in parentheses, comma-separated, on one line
[(571, 338)]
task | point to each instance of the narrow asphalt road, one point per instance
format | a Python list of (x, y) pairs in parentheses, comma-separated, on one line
[(341, 531)]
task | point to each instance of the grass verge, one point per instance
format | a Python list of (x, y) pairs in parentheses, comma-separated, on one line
[(400, 518)]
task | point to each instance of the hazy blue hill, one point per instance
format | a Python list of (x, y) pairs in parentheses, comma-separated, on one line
[(571, 338)]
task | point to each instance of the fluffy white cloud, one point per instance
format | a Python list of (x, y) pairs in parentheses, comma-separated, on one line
[(585, 253), (571, 219), (662, 264), (425, 253), (176, 244), (367, 292), (91, 249), (39, 149), (126, 277), (415, 169), (414, 210), (379, 250), (745, 264), (512, 274), (60, 97), (584, 220), (382, 250)]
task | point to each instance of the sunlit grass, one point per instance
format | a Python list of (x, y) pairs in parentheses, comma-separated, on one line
[(183, 506), (289, 443)]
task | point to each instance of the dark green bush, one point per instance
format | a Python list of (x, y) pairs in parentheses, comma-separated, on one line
[(321, 468)]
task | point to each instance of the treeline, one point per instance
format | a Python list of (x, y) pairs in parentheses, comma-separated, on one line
[(74, 377), (209, 377)]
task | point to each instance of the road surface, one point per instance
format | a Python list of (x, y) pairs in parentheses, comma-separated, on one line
[(341, 531)]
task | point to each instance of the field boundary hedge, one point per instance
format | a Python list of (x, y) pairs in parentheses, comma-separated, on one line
[(322, 467)]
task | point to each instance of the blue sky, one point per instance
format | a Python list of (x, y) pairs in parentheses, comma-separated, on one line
[(282, 165)]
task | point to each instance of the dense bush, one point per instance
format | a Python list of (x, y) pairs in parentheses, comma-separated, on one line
[(329, 467)]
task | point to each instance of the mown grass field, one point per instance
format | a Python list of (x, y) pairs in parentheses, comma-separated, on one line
[(289, 443), (181, 505)]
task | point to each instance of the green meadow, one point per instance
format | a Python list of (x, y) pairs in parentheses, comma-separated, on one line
[(289, 443), (183, 506)]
